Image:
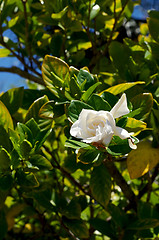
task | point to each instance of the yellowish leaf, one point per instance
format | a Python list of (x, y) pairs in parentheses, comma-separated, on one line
[(142, 160)]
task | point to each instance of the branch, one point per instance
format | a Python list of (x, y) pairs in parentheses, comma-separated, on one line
[(23, 74), (120, 181)]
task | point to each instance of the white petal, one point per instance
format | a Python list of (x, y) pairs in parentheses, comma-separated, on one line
[(121, 132), (75, 131), (120, 108), (131, 143), (107, 139)]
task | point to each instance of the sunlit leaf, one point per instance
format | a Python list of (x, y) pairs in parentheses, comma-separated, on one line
[(142, 160), (13, 99), (4, 52), (119, 88), (55, 71), (5, 118)]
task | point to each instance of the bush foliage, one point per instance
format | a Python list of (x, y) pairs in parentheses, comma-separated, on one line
[(53, 185)]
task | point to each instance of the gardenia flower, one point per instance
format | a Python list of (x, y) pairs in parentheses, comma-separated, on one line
[(99, 126)]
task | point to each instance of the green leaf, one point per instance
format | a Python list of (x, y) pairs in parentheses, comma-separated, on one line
[(116, 50), (100, 185), (89, 91), (33, 126), (72, 210), (4, 52), (41, 162), (94, 11), (25, 148), (75, 108), (144, 224), (24, 132), (59, 15), (55, 72), (153, 24), (6, 182), (4, 160), (10, 97), (118, 146), (27, 180), (44, 199), (110, 98), (142, 105), (89, 155), (33, 111), (74, 88), (104, 227), (134, 125), (5, 117), (41, 138), (119, 88), (98, 103), (51, 110), (4, 139), (85, 77), (78, 227), (76, 144)]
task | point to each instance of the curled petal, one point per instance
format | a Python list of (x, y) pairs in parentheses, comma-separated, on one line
[(120, 108), (121, 132), (75, 131), (131, 143)]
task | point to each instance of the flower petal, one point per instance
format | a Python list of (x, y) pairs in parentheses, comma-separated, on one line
[(120, 108), (75, 131), (131, 143), (121, 132)]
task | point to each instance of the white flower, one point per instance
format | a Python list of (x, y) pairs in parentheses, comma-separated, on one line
[(99, 126)]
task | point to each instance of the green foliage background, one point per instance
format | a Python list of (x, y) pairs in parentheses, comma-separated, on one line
[(53, 186)]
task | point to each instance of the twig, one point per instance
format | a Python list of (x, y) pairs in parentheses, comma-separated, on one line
[(120, 181), (23, 74)]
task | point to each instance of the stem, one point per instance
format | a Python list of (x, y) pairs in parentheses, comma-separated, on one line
[(120, 181), (23, 74)]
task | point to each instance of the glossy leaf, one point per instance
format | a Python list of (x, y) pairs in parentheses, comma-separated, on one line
[(33, 111), (78, 227), (122, 87), (100, 185), (103, 227), (99, 103), (51, 110), (89, 91), (26, 179), (134, 125), (142, 105), (153, 24), (40, 161), (75, 108), (5, 118), (24, 132), (142, 160), (84, 77), (4, 160), (25, 148), (59, 15), (13, 99), (55, 72), (75, 144)]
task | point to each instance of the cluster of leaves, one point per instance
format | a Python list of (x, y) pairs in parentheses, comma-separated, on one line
[(53, 186)]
